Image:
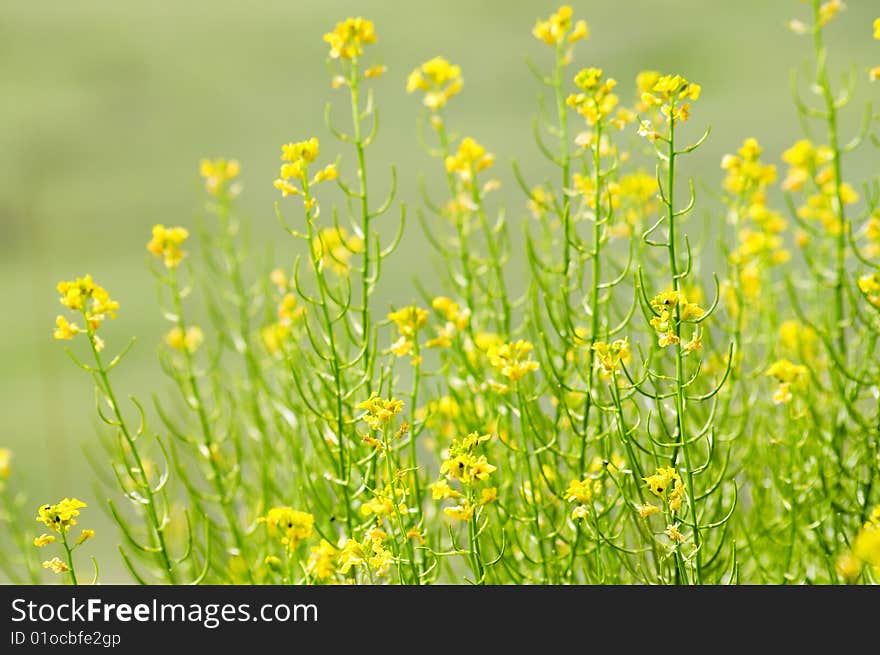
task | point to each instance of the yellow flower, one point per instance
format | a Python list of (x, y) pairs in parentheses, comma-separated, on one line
[(877, 28), (375, 71), (65, 330), (334, 248), (661, 481), (296, 157), (348, 38), (596, 101), (511, 359), (380, 505), (581, 491), (381, 559), (829, 10), (439, 79), (166, 243), (647, 510), (85, 535), (558, 28), (5, 463), (217, 173), (488, 495), (44, 540), (352, 554), (289, 525), (62, 515), (647, 131), (668, 91), (673, 533), (790, 376), (609, 357), (322, 561), (580, 512), (378, 412), (470, 158), (82, 294), (56, 565), (188, 342), (462, 512), (869, 285), (408, 320), (440, 490)]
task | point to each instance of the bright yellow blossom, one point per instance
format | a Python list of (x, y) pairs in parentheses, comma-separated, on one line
[(56, 565), (439, 79), (378, 412), (322, 560), (5, 463), (185, 342), (218, 173), (511, 359), (558, 28), (348, 38), (44, 540), (61, 516), (290, 526), (166, 243)]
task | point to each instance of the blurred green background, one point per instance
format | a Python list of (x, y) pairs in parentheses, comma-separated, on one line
[(107, 107)]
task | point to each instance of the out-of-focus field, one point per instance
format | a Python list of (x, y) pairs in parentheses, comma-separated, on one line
[(107, 107)]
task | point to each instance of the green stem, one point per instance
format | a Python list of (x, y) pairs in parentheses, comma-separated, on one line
[(680, 402), (207, 432), (366, 279), (69, 553), (152, 515)]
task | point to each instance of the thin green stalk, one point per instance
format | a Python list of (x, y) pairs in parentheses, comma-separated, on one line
[(152, 515), (365, 225), (68, 551), (334, 357), (207, 432), (680, 401)]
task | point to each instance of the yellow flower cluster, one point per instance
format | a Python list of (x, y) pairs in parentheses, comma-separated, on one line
[(288, 525), (166, 243), (810, 163), (457, 319), (596, 101), (378, 412), (745, 171), (296, 157), (671, 308), (188, 341), (5, 463), (91, 300), (371, 552), (666, 484), (439, 79), (511, 359), (874, 73), (409, 320), (582, 492), (869, 285), (322, 560), (463, 465), (865, 550), (335, 247), (217, 174), (470, 159), (348, 38), (59, 518), (610, 356), (666, 93), (790, 377), (275, 334), (559, 28)]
